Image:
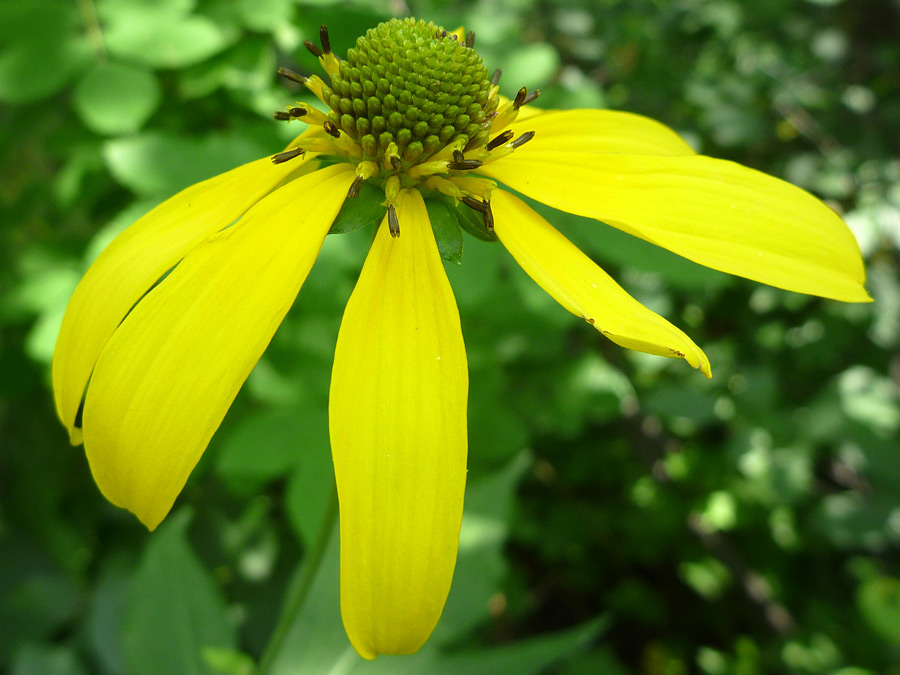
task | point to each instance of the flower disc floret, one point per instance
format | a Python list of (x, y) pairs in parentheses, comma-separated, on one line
[(415, 85)]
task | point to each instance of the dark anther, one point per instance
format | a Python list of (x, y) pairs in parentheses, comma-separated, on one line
[(458, 156), (523, 139), (396, 165), (443, 34), (495, 78), (297, 112), (393, 223), (454, 37), (532, 95), (281, 115), (326, 41), (500, 140), (355, 187), (465, 165), (470, 39), (331, 129), (488, 216), (473, 203), (287, 155), (520, 98), (292, 76), (314, 50)]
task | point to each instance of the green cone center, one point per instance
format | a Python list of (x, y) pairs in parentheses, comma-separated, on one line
[(411, 83)]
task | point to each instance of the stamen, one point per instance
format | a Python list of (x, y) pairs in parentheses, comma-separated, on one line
[(393, 223), (355, 187), (520, 98), (281, 115), (522, 140), (488, 216), (500, 140), (473, 203), (470, 39), (444, 186), (391, 189), (428, 169), (312, 115), (313, 49), (464, 165), (287, 155), (331, 129), (473, 185), (288, 74), (392, 157), (297, 112), (495, 78), (531, 97), (458, 156), (323, 37)]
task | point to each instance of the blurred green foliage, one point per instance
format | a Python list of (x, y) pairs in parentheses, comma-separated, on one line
[(624, 514)]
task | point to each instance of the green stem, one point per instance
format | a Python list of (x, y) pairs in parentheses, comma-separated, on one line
[(300, 590)]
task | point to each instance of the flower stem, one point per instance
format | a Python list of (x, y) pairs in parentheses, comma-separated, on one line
[(300, 590)]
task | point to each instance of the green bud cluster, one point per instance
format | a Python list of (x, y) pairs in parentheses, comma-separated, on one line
[(410, 83)]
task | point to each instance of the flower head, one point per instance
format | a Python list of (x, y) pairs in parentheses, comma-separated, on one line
[(169, 321)]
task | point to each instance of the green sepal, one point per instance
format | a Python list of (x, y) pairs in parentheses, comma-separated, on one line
[(445, 225), (364, 209), (473, 223)]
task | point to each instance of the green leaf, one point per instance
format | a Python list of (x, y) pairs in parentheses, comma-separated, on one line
[(878, 600), (161, 164), (113, 98), (446, 230), (41, 50), (531, 66), (316, 642), (34, 659), (362, 210), (176, 610), (310, 487), (164, 38)]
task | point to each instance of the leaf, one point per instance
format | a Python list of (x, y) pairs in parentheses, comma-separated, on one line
[(113, 98), (878, 600), (160, 164), (176, 610), (164, 38), (362, 210), (40, 50), (446, 230), (316, 642)]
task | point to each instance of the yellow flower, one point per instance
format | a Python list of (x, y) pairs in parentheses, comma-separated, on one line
[(169, 321)]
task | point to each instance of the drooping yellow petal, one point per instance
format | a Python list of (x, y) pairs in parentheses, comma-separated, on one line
[(597, 131), (136, 259), (579, 285), (398, 435), (165, 379), (714, 212)]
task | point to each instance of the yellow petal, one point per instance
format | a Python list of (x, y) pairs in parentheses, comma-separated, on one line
[(165, 379), (398, 436), (597, 131), (582, 287), (136, 259), (717, 213)]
